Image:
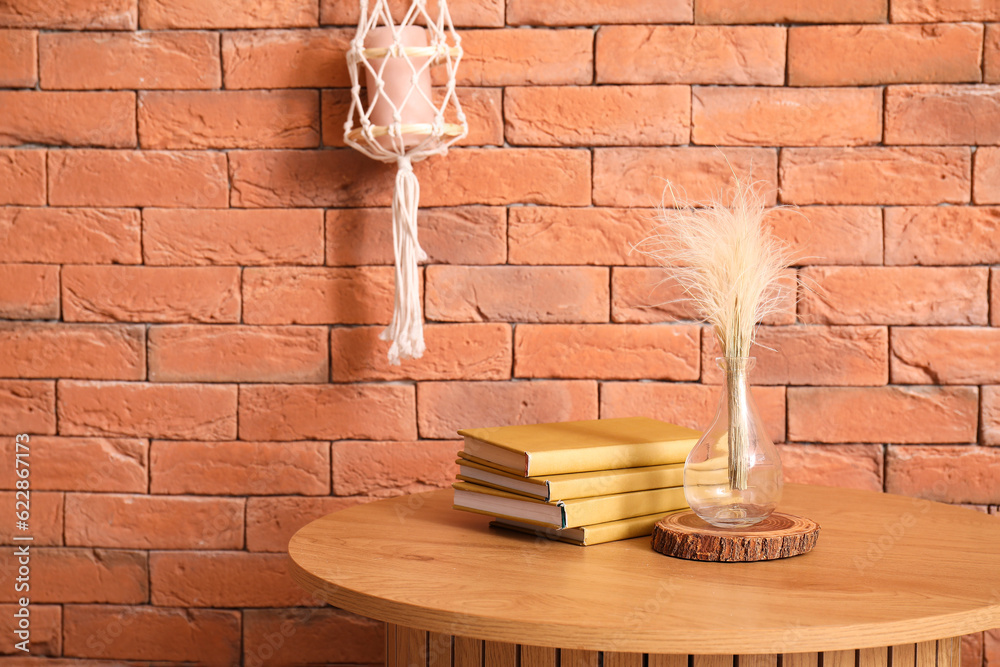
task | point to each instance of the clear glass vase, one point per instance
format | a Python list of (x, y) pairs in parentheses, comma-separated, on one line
[(732, 477)]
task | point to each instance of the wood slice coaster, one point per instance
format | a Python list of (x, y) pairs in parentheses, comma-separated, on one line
[(685, 535)]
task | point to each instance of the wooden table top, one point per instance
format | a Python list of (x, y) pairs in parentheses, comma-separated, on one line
[(886, 570)]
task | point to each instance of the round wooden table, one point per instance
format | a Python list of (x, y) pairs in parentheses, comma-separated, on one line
[(892, 582)]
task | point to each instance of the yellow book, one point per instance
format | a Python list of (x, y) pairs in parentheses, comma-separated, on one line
[(598, 533), (535, 450), (566, 513), (574, 484)]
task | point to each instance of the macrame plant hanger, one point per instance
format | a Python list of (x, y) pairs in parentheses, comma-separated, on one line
[(401, 123)]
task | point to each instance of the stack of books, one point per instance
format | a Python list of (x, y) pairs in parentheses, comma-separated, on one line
[(582, 482)]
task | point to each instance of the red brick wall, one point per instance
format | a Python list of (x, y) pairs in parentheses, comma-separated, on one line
[(195, 271)]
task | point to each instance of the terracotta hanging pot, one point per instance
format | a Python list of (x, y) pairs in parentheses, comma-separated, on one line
[(406, 85)]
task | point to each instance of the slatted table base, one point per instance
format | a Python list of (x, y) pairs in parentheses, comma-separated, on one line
[(406, 647)]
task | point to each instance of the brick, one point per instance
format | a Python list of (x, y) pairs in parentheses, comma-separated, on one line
[(224, 353), (83, 464), (280, 178), (272, 520), (68, 119), (949, 474), (875, 175), (647, 295), (985, 188), (229, 119), (70, 14), (945, 355), (304, 295), (445, 407), (845, 466), (240, 468), (743, 55), (83, 575), (531, 57), (454, 352), (456, 235), (328, 412), (882, 414), (153, 522), (29, 291), (393, 468), (287, 58), (92, 177), (879, 54), (517, 294), (232, 237), (607, 351), (129, 60), (52, 349), (597, 116), (19, 53), (205, 636), (220, 579), (936, 11), (71, 235), (595, 12), (972, 650), (635, 176), (791, 11), (991, 58), (951, 235), (174, 411), (46, 629), (941, 115), (811, 355), (894, 295), (840, 235), (46, 518), (166, 14), (303, 637), (555, 235), (27, 406), (488, 13), (691, 405), (786, 116), (22, 177), (150, 294), (481, 106)]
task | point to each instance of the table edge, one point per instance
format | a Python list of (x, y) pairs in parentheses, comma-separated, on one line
[(575, 636)]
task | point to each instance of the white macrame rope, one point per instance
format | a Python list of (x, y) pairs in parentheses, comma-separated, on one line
[(406, 329), (442, 133), (388, 143)]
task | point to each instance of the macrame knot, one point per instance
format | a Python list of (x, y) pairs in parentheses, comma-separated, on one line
[(406, 328), (402, 121)]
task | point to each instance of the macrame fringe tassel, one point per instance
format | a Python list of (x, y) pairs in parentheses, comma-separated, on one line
[(406, 331)]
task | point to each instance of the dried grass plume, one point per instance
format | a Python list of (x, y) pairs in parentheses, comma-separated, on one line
[(730, 266), (725, 259)]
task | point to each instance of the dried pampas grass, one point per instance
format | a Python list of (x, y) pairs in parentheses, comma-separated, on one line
[(730, 267), (725, 260)]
